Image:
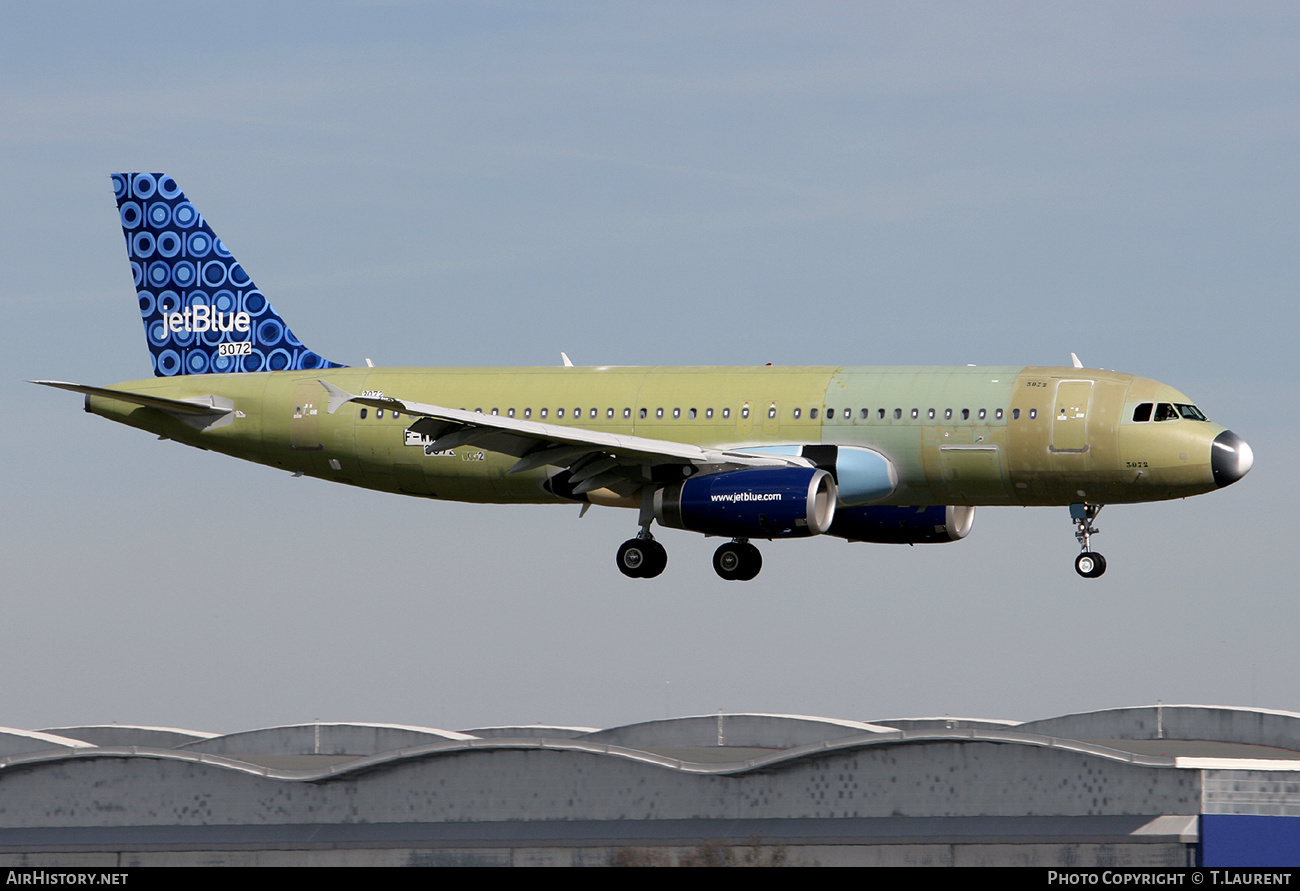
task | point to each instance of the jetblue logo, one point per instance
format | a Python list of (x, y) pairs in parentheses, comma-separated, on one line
[(204, 318), (747, 496)]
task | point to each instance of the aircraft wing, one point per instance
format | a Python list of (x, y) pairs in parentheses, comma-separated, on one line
[(594, 458)]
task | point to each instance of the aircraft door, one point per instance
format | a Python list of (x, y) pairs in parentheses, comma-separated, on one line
[(1070, 416), (304, 424)]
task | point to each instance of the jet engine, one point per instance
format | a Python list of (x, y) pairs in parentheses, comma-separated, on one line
[(757, 503), (886, 524)]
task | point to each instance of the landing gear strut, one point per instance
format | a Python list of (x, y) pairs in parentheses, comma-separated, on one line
[(737, 561), (642, 557), (1088, 564)]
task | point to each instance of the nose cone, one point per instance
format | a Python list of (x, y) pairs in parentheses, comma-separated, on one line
[(1230, 458)]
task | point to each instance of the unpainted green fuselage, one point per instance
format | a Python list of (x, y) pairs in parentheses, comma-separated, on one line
[(961, 436)]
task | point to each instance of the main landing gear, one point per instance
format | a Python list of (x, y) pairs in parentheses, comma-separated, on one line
[(1088, 564), (642, 557), (737, 561)]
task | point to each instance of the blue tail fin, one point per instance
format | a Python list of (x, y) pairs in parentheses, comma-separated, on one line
[(202, 313)]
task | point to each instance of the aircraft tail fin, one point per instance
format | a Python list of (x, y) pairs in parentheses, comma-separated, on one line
[(202, 313)]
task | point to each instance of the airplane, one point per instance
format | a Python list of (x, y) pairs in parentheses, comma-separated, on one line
[(899, 455)]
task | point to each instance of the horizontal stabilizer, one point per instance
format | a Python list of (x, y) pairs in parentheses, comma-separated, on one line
[(199, 405)]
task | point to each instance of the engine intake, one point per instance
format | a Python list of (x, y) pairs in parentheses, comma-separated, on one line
[(758, 503)]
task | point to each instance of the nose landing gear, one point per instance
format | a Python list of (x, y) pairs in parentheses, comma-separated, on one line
[(1088, 564)]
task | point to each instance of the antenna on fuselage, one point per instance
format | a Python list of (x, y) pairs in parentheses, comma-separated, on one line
[(564, 357), (1075, 360)]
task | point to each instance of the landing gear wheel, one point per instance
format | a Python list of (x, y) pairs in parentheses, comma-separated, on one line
[(726, 561), (641, 558), (737, 561), (752, 563), (657, 559), (1090, 565)]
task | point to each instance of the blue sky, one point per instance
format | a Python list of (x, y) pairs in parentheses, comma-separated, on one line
[(736, 183)]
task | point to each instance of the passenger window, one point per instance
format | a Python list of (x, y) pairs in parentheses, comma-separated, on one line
[(609, 412), (510, 412), (1033, 413), (796, 413), (379, 414), (998, 414), (880, 413), (916, 413), (627, 413), (830, 414), (947, 414), (659, 412), (544, 413), (677, 412), (1142, 413), (965, 414), (577, 414), (528, 413), (866, 414), (559, 412), (1165, 412), (396, 415), (641, 414), (744, 412), (1015, 414), (726, 413), (494, 411), (931, 414), (898, 414), (982, 413), (363, 414), (708, 414), (771, 411), (693, 414)]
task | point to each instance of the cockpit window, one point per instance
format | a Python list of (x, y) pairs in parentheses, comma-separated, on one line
[(1190, 412), (1142, 413), (1166, 412)]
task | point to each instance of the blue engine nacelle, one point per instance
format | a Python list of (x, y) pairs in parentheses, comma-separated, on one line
[(759, 503), (904, 525)]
